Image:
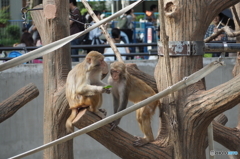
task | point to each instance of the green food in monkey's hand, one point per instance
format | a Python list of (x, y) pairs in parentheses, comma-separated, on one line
[(106, 87)]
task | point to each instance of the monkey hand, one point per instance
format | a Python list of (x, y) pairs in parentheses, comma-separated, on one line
[(106, 90), (140, 141), (114, 124)]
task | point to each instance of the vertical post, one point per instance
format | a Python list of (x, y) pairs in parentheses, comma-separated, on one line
[(210, 140), (112, 6), (149, 40), (145, 35)]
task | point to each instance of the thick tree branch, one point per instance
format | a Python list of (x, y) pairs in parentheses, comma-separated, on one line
[(9, 106), (226, 96), (212, 102), (203, 106), (119, 141), (236, 68), (234, 11), (222, 119), (228, 137), (218, 7)]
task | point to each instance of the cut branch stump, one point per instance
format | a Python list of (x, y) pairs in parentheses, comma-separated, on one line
[(9, 106)]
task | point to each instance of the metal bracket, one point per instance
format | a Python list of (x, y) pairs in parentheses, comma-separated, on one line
[(86, 25), (183, 48), (24, 11)]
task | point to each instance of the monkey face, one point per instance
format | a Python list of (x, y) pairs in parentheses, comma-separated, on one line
[(98, 63), (117, 70), (115, 74), (95, 61)]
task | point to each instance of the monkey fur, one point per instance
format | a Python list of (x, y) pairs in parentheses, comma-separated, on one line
[(127, 87), (84, 87)]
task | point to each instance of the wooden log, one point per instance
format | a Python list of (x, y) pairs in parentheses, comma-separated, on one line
[(228, 137), (119, 141), (9, 106)]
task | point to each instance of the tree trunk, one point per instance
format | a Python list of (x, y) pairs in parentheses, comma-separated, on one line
[(187, 21), (236, 68), (53, 24)]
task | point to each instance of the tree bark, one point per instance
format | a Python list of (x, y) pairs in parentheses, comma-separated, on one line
[(120, 142), (53, 24), (188, 21), (11, 105), (236, 68), (228, 137), (232, 135)]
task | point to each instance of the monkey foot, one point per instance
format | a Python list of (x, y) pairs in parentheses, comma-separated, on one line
[(103, 111), (114, 124), (236, 129), (140, 141), (80, 108)]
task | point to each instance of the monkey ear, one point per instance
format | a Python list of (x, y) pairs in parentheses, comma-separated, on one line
[(88, 60)]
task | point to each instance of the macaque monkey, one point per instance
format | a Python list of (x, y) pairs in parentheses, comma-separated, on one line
[(84, 87), (127, 87)]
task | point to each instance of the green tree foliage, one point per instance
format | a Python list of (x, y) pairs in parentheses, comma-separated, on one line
[(100, 6), (4, 15), (13, 31)]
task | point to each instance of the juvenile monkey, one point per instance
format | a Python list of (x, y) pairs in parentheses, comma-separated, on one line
[(84, 87), (127, 87)]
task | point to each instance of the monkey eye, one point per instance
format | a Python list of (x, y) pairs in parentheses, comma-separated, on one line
[(97, 65), (115, 71)]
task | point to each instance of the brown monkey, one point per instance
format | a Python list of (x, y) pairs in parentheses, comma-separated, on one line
[(84, 87), (127, 87)]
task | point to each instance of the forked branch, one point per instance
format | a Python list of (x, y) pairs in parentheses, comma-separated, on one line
[(212, 102)]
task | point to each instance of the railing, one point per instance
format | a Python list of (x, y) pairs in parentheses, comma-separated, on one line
[(216, 46), (139, 31)]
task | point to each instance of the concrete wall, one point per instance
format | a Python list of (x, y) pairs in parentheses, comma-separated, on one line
[(15, 10), (24, 130)]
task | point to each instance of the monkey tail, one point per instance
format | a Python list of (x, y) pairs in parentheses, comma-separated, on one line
[(69, 125)]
